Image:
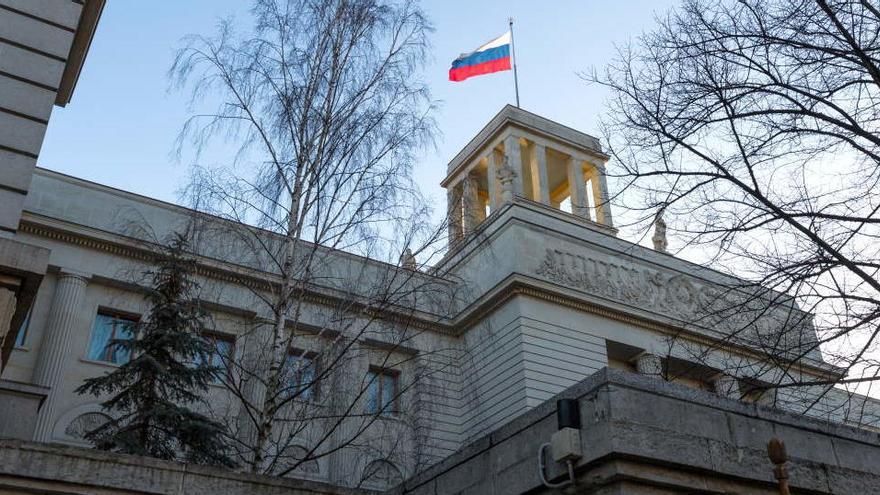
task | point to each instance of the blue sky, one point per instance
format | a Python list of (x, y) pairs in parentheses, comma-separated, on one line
[(120, 127)]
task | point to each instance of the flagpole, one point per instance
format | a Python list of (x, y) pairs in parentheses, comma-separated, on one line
[(513, 57)]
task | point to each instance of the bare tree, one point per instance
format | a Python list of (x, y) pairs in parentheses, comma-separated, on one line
[(324, 112), (754, 124)]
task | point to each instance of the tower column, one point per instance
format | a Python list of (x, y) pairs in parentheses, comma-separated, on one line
[(453, 212), (600, 192), (55, 345), (514, 157), (471, 200), (577, 186), (538, 164), (492, 165)]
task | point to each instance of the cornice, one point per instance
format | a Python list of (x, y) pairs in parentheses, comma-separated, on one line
[(243, 276), (457, 325)]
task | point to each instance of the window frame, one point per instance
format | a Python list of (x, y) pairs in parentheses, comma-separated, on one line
[(380, 373), (116, 315)]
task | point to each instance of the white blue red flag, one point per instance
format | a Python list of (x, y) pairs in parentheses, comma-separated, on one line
[(494, 56)]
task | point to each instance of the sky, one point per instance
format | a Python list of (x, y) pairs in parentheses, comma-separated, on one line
[(121, 125)]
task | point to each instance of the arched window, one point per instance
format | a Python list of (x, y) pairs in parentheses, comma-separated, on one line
[(381, 474), (85, 423), (296, 453)]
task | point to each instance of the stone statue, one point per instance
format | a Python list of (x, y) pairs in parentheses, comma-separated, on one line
[(506, 175), (659, 232), (408, 261)]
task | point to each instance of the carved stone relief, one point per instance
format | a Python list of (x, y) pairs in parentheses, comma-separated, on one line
[(751, 318)]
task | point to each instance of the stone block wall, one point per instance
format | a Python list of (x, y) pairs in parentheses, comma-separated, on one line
[(27, 468), (642, 435)]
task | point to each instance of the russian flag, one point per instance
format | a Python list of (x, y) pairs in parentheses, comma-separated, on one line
[(494, 56)]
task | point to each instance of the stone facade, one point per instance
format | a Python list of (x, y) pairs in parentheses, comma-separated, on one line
[(43, 44), (528, 301)]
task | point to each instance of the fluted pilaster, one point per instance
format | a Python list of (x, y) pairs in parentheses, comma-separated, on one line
[(55, 346)]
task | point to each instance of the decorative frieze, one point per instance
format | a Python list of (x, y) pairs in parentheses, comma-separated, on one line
[(757, 318)]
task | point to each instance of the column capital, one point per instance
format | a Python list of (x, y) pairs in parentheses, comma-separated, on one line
[(67, 273)]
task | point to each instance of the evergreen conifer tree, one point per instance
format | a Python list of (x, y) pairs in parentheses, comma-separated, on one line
[(168, 372)]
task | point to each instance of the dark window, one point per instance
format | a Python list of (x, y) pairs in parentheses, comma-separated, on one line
[(22, 331), (382, 390), (109, 327), (300, 372)]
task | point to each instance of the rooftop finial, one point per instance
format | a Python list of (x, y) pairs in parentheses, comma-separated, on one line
[(408, 260), (659, 238)]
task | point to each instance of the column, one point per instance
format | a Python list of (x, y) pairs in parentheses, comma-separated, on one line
[(453, 212), (538, 164), (577, 187), (514, 157), (55, 346), (727, 386), (600, 192), (492, 164), (471, 200), (649, 364)]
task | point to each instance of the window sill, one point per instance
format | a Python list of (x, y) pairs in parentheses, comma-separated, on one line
[(105, 364)]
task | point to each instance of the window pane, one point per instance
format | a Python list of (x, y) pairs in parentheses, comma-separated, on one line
[(389, 386), (299, 372), (119, 354), (373, 392), (106, 329), (221, 354), (22, 332), (102, 332)]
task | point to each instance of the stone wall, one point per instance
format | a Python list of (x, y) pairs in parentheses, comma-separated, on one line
[(27, 468), (38, 69), (642, 435)]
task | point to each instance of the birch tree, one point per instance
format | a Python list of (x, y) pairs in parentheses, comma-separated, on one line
[(754, 126), (323, 113)]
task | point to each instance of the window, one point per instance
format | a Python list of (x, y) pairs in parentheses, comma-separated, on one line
[(109, 327), (220, 353), (382, 391), (22, 331), (300, 372)]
